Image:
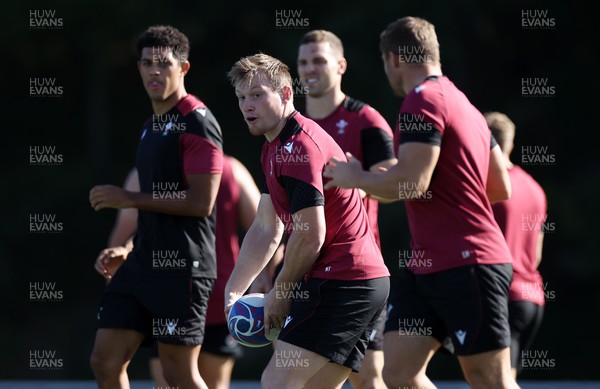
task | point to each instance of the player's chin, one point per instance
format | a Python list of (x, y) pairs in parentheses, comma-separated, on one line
[(254, 129)]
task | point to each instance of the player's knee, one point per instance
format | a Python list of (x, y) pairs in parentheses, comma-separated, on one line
[(171, 375), (368, 383), (483, 379), (397, 378), (104, 367), (269, 380)]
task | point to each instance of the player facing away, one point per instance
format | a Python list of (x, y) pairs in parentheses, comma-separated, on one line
[(333, 283), (359, 129), (163, 287), (449, 170), (521, 220), (237, 201)]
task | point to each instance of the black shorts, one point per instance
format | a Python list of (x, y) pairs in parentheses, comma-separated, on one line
[(336, 318), (525, 319), (170, 310), (376, 337), (217, 341), (468, 304)]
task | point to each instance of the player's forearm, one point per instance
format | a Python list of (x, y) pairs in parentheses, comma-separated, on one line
[(380, 185), (257, 249), (301, 252), (179, 204)]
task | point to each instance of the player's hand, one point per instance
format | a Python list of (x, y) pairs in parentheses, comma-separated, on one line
[(230, 298), (109, 196), (110, 260), (276, 310), (262, 283), (342, 174)]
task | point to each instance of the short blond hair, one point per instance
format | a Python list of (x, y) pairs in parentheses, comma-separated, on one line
[(503, 129), (260, 65), (411, 32)]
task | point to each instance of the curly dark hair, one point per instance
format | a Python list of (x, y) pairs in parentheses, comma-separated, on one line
[(165, 36)]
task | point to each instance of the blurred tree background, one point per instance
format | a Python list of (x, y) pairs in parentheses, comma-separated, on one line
[(94, 124)]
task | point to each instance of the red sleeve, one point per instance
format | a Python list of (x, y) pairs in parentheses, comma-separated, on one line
[(199, 155), (373, 119), (427, 105), (303, 161)]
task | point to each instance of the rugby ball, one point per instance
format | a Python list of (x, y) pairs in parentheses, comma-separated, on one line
[(246, 321)]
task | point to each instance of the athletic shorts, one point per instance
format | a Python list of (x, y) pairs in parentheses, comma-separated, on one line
[(217, 341), (170, 310), (525, 319), (376, 337), (467, 305), (336, 318)]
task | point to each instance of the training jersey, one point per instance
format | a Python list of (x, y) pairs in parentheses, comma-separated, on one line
[(359, 129), (185, 140), (452, 224), (521, 219), (293, 166)]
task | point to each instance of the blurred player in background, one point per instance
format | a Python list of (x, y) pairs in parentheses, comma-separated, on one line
[(237, 202), (179, 163), (449, 170), (520, 218), (359, 129), (331, 262)]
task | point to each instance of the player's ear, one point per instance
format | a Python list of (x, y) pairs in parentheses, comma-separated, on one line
[(343, 65), (395, 59), (185, 67), (285, 93)]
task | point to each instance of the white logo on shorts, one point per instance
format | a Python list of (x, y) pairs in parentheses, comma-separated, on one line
[(460, 335), (287, 321), (372, 337), (171, 327)]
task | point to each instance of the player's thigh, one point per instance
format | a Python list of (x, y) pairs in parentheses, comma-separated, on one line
[(488, 368), (215, 369), (372, 365), (292, 366), (115, 346), (407, 355), (170, 354), (370, 371)]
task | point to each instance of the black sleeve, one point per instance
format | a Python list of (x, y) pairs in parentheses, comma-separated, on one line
[(493, 142), (377, 146), (414, 129), (300, 194)]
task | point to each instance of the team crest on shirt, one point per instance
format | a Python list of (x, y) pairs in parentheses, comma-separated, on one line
[(341, 125)]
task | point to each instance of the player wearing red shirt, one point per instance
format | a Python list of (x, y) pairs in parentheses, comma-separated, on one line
[(359, 129), (331, 258), (449, 170), (521, 220)]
